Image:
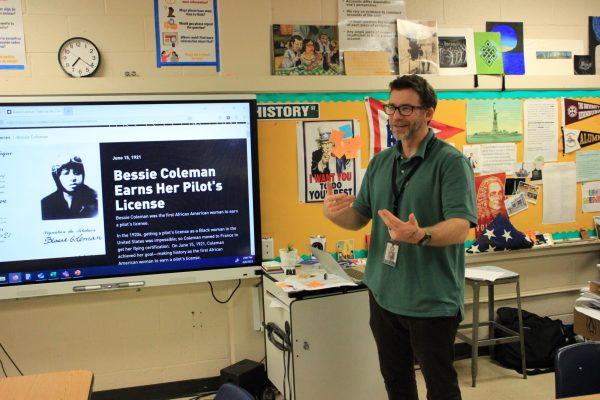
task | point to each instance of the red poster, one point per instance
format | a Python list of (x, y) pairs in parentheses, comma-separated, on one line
[(490, 199)]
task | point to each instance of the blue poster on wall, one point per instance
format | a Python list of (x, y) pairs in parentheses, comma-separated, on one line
[(511, 38), (187, 33)]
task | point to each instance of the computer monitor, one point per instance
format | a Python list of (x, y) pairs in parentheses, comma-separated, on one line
[(112, 192)]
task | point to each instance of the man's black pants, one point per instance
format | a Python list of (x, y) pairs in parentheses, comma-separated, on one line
[(400, 340)]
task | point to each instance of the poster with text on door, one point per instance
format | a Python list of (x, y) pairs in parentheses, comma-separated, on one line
[(187, 33)]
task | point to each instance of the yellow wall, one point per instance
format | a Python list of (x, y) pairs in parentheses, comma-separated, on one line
[(283, 216), (289, 221)]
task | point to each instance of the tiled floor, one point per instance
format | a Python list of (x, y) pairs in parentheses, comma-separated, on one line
[(493, 383)]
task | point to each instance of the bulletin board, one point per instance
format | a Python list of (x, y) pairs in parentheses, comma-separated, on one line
[(289, 221)]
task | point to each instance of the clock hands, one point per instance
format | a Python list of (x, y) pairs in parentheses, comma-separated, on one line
[(82, 60), (85, 62)]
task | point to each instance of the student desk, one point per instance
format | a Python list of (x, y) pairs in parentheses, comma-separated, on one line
[(333, 354), (65, 385)]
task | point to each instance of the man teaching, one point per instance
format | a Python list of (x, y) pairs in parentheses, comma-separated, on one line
[(416, 297)]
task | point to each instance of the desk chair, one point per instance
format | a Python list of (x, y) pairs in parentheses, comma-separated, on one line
[(577, 370), (474, 341), (230, 391)]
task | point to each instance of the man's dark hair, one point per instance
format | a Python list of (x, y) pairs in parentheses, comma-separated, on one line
[(419, 85)]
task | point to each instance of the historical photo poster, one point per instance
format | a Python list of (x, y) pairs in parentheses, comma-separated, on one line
[(418, 47), (306, 50)]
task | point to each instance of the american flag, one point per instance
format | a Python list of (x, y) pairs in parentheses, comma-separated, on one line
[(380, 133), (500, 235)]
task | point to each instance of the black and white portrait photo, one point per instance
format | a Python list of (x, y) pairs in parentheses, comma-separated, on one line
[(72, 198)]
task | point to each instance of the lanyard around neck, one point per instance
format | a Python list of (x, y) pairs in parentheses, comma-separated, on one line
[(399, 190)]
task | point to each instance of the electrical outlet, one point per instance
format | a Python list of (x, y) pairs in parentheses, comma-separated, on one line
[(267, 248)]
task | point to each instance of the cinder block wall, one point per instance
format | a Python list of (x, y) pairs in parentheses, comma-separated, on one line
[(124, 32), (164, 334)]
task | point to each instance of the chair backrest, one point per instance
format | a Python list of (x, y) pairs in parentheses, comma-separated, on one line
[(230, 391), (577, 370)]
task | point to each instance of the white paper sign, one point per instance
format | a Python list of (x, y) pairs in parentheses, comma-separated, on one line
[(551, 56), (498, 157), (371, 25), (541, 129), (560, 193)]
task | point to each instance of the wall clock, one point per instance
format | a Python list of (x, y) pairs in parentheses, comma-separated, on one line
[(79, 57)]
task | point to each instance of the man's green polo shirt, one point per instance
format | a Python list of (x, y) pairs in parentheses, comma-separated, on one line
[(426, 281)]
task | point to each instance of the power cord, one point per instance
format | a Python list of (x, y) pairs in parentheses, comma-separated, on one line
[(285, 371), (289, 356), (11, 360), (282, 340), (288, 335), (3, 370), (230, 296), (204, 396)]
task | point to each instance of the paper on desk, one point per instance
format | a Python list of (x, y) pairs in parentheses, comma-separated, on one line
[(586, 301), (312, 282), (590, 312), (482, 275), (585, 292)]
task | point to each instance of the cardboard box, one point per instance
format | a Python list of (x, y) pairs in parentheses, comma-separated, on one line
[(595, 287), (585, 325)]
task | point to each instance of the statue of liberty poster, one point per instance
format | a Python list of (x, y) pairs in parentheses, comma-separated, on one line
[(493, 121)]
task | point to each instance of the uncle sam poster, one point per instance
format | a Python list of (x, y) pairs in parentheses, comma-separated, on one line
[(328, 151)]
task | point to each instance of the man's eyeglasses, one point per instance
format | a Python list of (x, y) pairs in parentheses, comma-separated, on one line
[(403, 109)]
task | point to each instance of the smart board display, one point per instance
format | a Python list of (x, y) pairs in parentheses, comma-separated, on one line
[(103, 194)]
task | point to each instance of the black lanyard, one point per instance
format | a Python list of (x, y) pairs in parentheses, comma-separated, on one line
[(399, 191)]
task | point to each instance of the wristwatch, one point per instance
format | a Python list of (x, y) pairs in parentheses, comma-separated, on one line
[(426, 238)]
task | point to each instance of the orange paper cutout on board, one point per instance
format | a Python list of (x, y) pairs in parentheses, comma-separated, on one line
[(345, 147), (352, 146)]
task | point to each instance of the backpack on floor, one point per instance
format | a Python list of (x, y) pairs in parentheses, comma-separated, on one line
[(543, 337)]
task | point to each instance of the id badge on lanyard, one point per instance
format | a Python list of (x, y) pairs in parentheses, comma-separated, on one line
[(391, 253), (392, 248)]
